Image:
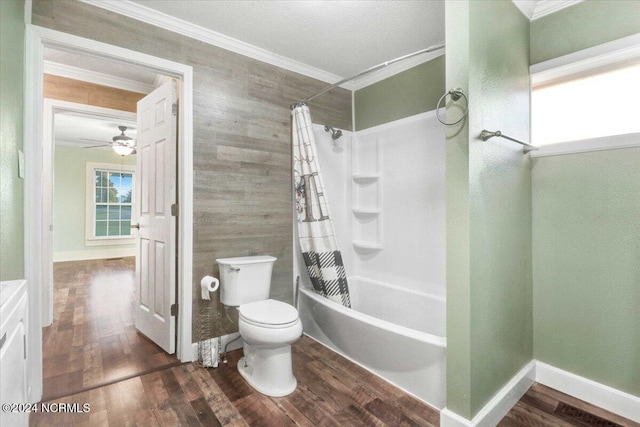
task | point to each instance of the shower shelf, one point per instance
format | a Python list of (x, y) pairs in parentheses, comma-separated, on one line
[(367, 245), (361, 211), (363, 177), (366, 194)]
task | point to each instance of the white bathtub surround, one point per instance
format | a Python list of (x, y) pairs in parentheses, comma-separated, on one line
[(387, 344), (605, 397), (397, 207), (386, 187), (316, 234)]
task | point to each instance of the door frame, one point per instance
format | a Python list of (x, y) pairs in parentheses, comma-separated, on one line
[(36, 39)]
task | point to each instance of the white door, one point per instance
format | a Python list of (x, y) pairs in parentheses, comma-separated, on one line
[(156, 193)]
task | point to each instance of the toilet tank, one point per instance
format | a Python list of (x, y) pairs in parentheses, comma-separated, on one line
[(245, 279)]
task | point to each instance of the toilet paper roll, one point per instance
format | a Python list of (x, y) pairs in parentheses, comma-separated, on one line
[(208, 284)]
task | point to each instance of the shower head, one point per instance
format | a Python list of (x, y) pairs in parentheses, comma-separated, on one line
[(335, 133)]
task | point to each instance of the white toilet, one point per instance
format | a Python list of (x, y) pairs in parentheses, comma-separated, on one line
[(268, 327)]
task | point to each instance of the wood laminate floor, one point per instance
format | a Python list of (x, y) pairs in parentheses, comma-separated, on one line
[(332, 391), (543, 406), (92, 339)]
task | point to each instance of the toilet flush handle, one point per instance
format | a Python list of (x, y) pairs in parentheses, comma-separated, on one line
[(234, 268)]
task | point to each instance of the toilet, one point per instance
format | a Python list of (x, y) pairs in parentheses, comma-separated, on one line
[(268, 327)]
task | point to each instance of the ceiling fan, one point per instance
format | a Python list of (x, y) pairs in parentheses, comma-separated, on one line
[(122, 144)]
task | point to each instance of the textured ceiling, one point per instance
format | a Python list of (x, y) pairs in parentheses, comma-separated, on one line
[(341, 37)]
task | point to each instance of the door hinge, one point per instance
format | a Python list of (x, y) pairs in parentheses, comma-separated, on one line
[(174, 309), (174, 209), (24, 346), (174, 108)]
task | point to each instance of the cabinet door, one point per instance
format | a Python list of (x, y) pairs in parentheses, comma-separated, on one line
[(13, 365)]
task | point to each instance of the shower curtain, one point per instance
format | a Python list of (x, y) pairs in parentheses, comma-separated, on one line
[(315, 227)]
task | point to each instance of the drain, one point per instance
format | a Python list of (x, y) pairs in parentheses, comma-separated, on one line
[(582, 417)]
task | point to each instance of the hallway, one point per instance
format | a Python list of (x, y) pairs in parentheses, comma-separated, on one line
[(93, 339)]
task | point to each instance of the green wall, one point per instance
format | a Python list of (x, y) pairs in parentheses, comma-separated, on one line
[(11, 119), (583, 25), (457, 217), (405, 94), (585, 227), (489, 284), (586, 245), (70, 198)]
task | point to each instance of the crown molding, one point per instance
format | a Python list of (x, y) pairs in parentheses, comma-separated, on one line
[(96, 77), (534, 9), (547, 7), (159, 19), (527, 7), (153, 17)]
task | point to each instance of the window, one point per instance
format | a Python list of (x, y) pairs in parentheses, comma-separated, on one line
[(109, 203), (600, 104), (587, 100)]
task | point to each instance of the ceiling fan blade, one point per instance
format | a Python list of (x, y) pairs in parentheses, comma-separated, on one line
[(98, 146), (102, 141)]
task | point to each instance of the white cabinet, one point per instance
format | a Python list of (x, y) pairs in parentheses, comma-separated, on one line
[(13, 339)]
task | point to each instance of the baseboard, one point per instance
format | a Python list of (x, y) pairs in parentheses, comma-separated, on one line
[(613, 400), (624, 404), (497, 407), (101, 253)]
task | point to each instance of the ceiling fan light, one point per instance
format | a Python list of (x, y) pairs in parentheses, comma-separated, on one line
[(123, 150)]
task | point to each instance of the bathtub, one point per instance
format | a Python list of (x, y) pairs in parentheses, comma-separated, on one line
[(393, 332)]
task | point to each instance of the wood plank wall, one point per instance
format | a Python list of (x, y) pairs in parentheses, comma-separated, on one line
[(64, 89), (242, 146)]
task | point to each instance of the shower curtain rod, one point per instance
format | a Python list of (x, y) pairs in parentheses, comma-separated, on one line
[(368, 70)]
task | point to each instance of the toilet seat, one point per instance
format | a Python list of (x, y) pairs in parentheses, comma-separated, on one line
[(269, 313)]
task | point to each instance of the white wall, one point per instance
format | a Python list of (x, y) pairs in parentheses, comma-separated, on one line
[(69, 204), (412, 190), (412, 206)]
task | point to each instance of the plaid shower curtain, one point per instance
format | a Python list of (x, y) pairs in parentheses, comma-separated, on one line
[(315, 227)]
